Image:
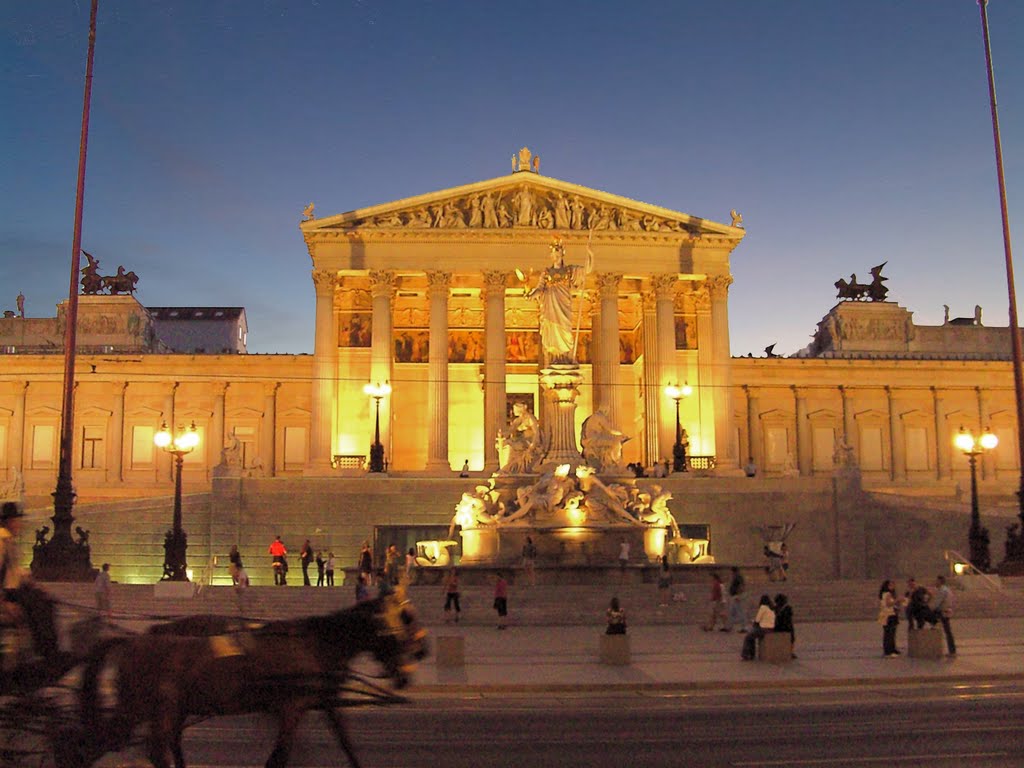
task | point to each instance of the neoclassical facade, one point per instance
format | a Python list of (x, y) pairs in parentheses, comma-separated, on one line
[(430, 294)]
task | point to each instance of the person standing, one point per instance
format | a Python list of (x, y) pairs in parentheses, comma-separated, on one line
[(623, 558), (366, 561), (410, 565), (717, 604), (942, 610), (501, 599), (451, 595), (277, 552), (101, 588), (306, 558), (329, 569), (888, 617), (737, 614), (530, 561), (784, 620), (391, 565), (320, 562), (234, 563)]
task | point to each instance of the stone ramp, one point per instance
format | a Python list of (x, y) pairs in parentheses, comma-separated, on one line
[(826, 601)]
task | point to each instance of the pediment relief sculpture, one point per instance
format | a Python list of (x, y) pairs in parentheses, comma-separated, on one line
[(522, 206)]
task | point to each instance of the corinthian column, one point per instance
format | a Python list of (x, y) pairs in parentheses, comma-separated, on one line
[(325, 371), (652, 377), (438, 286), (605, 346), (664, 300), (493, 295), (116, 453), (268, 447), (718, 289), (383, 286)]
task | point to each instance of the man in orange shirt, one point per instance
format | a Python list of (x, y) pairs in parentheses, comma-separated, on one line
[(277, 552)]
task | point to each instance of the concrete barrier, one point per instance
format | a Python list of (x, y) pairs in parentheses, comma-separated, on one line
[(775, 648), (927, 643), (451, 651), (614, 650)]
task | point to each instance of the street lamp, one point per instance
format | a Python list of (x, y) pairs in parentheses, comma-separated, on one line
[(377, 391), (677, 393), (176, 541), (977, 537)]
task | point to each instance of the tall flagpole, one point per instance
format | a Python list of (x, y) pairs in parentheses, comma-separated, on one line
[(61, 558), (1018, 375)]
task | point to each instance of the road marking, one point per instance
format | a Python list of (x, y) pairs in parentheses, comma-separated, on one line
[(888, 759)]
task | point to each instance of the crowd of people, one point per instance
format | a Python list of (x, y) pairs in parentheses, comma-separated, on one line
[(921, 607)]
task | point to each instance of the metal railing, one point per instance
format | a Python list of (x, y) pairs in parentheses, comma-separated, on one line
[(961, 566)]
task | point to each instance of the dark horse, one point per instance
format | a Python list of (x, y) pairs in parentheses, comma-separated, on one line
[(39, 661), (284, 668)]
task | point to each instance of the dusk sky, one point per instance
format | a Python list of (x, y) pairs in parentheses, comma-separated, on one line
[(846, 133)]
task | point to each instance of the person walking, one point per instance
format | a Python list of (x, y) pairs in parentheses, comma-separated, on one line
[(664, 582), (764, 622), (451, 595), (391, 565), (888, 617), (234, 563), (329, 569), (366, 561), (942, 610), (362, 588), (717, 607), (501, 599), (306, 558), (101, 588), (277, 552), (530, 561), (737, 614), (616, 618), (320, 562)]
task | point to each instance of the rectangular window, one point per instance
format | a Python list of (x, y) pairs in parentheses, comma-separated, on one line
[(247, 443), (776, 444), (43, 441), (142, 447), (294, 447), (871, 448), (917, 448), (92, 447), (823, 446)]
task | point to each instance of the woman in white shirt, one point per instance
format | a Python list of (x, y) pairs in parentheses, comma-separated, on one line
[(764, 622)]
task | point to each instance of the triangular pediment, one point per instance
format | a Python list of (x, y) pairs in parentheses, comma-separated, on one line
[(523, 200)]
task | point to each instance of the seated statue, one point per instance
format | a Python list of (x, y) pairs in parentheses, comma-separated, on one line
[(522, 442), (601, 441)]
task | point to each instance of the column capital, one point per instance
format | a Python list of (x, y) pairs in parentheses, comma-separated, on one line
[(220, 388), (664, 286), (438, 283), (701, 297), (718, 286), (383, 283), (608, 284), (270, 388), (325, 280), (495, 282)]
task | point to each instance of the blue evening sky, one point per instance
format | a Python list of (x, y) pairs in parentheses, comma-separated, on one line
[(846, 133)]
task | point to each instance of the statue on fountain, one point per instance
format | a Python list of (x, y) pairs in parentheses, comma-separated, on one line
[(553, 294), (521, 447), (602, 442)]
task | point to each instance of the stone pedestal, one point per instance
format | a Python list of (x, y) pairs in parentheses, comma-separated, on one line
[(775, 648), (560, 384), (479, 545), (614, 650), (451, 651), (927, 643)]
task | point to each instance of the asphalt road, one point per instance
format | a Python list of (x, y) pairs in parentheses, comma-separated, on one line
[(934, 725)]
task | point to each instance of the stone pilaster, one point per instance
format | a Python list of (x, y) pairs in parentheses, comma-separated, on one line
[(493, 295), (605, 355), (17, 437), (217, 421), (803, 433), (325, 373), (897, 457), (702, 442), (652, 389), (850, 436), (754, 427), (164, 461), (116, 453), (268, 438), (718, 290), (941, 446), (664, 300), (383, 286), (438, 289)]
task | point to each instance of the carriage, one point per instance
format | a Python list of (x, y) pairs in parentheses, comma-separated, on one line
[(197, 667)]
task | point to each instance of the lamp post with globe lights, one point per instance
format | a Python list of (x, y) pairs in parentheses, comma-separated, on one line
[(972, 448), (677, 393), (378, 392), (176, 543)]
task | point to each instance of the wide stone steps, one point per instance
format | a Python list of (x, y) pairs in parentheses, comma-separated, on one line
[(136, 605)]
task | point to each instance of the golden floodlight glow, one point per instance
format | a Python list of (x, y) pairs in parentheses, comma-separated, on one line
[(377, 390), (967, 443), (677, 393), (988, 441), (162, 439), (562, 470)]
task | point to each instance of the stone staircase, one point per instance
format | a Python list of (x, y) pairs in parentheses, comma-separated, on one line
[(542, 605)]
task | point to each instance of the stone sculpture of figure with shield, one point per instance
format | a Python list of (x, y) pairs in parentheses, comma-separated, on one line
[(553, 294)]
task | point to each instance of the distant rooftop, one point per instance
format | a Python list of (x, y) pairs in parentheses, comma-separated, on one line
[(196, 313)]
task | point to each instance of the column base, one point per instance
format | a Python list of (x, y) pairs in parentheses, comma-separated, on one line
[(438, 466), (318, 469)]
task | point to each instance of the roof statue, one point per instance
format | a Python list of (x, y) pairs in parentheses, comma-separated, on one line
[(525, 160), (307, 213), (769, 351), (873, 291), (737, 218), (93, 283)]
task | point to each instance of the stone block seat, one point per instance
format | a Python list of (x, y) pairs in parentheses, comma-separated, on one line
[(614, 650), (926, 643), (775, 648), (451, 651)]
